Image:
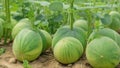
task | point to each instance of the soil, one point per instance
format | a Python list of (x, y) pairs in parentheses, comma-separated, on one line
[(45, 60)]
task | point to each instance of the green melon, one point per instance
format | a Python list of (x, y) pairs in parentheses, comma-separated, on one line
[(68, 50), (106, 32), (115, 20), (13, 22), (9, 25), (25, 20), (18, 27), (81, 24), (46, 39), (67, 32), (103, 52), (27, 45)]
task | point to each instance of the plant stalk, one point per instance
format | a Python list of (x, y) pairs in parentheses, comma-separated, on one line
[(8, 19), (71, 14), (90, 25)]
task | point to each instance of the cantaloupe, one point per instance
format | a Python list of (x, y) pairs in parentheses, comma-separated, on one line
[(27, 45), (46, 39), (105, 32), (68, 50), (103, 52), (81, 24), (115, 20), (19, 26), (67, 32)]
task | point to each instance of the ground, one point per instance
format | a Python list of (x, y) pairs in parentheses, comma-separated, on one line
[(45, 60)]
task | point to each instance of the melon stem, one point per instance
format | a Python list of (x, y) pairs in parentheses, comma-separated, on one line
[(8, 19), (71, 14)]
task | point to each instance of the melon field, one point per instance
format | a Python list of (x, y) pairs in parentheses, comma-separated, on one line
[(59, 33)]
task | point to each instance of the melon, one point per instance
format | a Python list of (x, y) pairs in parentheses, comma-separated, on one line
[(103, 52), (68, 50), (46, 39), (10, 24), (115, 20), (81, 24), (13, 22), (27, 45), (25, 20), (105, 32), (18, 27), (65, 31)]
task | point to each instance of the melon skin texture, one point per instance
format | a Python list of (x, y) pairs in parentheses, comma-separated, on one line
[(115, 20), (13, 22), (67, 32), (10, 25), (81, 24), (106, 32), (27, 45), (46, 39), (103, 52), (68, 50), (18, 27), (25, 20)]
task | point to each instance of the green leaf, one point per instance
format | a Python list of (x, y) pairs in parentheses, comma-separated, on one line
[(44, 3), (37, 22), (58, 18), (2, 50), (98, 16), (65, 6), (26, 64), (106, 20), (56, 6)]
